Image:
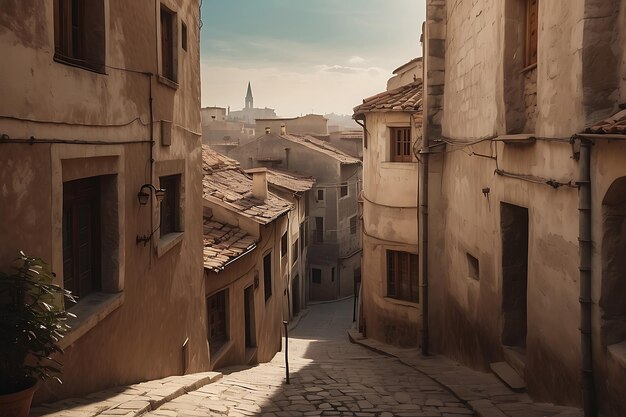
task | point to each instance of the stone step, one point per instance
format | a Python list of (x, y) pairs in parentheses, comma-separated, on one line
[(507, 374)]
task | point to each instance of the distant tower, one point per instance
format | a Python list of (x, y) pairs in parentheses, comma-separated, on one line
[(249, 99)]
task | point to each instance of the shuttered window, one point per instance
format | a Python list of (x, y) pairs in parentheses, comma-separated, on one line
[(400, 146), (532, 28), (402, 276), (217, 320)]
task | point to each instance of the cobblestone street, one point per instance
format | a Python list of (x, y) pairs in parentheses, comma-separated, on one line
[(329, 376)]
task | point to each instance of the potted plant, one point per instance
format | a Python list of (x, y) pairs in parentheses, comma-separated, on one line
[(32, 322)]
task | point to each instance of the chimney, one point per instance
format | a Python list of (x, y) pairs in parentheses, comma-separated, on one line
[(259, 182), (283, 129), (267, 130)]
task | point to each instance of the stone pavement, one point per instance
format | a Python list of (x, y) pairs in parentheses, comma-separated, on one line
[(483, 392), (127, 401), (329, 377)]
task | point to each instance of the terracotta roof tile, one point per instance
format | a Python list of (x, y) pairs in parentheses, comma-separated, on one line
[(225, 181), (223, 242), (615, 124), (322, 147), (289, 181), (407, 98)]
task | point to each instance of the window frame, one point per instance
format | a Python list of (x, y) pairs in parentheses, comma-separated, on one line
[(168, 49), (172, 199), (531, 39), (313, 280), (183, 35), (399, 144), (344, 190), (395, 275), (320, 192)]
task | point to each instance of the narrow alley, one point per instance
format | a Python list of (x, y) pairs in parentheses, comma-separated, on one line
[(329, 376)]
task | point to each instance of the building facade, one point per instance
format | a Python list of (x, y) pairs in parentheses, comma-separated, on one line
[(99, 110), (249, 113), (335, 247), (524, 161), (310, 124), (392, 123), (244, 268)]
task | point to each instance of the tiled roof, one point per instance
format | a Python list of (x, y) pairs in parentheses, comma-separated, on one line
[(615, 124), (225, 181), (322, 147), (223, 243), (407, 98), (289, 181)]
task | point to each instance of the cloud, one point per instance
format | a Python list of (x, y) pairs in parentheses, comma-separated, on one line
[(356, 60), (351, 70)]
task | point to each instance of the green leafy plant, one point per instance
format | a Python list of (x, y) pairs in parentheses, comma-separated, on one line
[(32, 322)]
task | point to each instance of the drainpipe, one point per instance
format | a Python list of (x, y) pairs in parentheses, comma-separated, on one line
[(584, 242)]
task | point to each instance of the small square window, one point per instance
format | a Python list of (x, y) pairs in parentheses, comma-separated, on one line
[(183, 35), (343, 190), (316, 276), (170, 206), (400, 146), (320, 194), (473, 267)]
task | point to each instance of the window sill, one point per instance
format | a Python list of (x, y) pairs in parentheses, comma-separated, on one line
[(618, 352), (168, 241), (97, 68), (399, 302), (166, 81), (90, 311)]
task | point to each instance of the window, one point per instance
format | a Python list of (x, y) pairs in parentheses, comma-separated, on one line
[(294, 250), (170, 206), (79, 33), (81, 236), (217, 320), (402, 276), (532, 26), (473, 268), (316, 276), (343, 190), (302, 237), (183, 36), (267, 275), (353, 224), (283, 245), (320, 194), (168, 51), (400, 150), (319, 230)]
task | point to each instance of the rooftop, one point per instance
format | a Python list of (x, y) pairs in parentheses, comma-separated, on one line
[(407, 98), (289, 181), (615, 125), (403, 66), (223, 243), (322, 147), (225, 182)]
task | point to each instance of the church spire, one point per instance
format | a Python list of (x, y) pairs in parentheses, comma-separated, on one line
[(249, 98)]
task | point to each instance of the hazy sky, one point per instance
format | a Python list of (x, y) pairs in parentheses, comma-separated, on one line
[(304, 56)]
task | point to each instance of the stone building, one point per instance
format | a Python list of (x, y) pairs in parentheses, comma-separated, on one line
[(99, 110), (310, 124), (249, 113), (523, 159), (294, 245), (392, 123), (245, 264), (222, 134), (334, 254)]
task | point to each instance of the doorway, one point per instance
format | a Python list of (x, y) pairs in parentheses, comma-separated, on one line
[(514, 229)]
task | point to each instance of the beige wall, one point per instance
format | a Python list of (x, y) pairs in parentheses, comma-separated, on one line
[(141, 335), (309, 124), (389, 223), (482, 99)]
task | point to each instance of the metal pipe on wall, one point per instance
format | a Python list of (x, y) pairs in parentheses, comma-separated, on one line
[(584, 242)]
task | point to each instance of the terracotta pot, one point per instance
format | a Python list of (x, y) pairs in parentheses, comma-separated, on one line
[(18, 403)]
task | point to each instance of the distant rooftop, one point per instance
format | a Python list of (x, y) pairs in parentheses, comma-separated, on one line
[(289, 181), (322, 147), (224, 181), (401, 67), (294, 118), (407, 98)]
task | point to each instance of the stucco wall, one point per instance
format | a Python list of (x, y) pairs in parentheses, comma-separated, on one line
[(142, 338)]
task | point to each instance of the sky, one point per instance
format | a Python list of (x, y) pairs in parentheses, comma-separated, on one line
[(304, 56)]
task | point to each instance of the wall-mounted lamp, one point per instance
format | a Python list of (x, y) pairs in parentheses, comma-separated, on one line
[(144, 196)]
